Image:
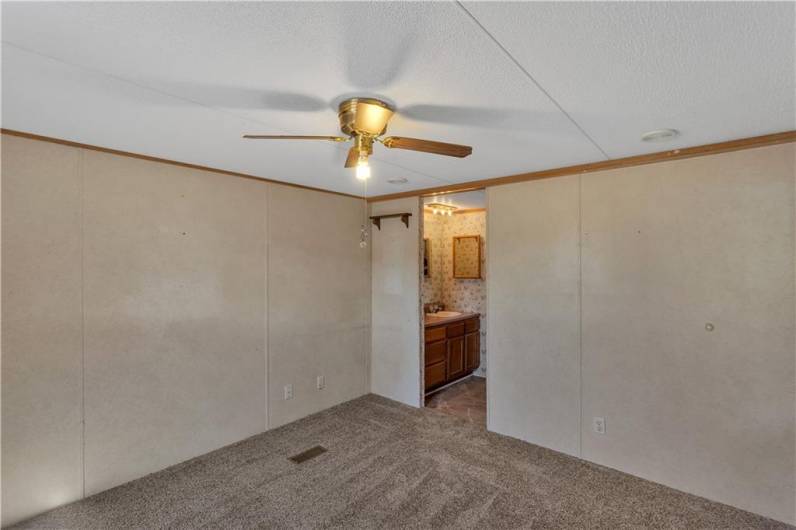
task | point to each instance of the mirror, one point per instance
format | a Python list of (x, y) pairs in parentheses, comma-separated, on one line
[(426, 257), (467, 257)]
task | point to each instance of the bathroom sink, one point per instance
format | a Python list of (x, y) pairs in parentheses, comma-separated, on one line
[(446, 314)]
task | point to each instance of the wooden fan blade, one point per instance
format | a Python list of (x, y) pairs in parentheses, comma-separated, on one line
[(288, 137), (427, 146), (352, 158)]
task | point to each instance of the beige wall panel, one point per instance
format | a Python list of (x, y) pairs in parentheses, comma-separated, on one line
[(42, 463), (395, 340), (668, 248), (319, 308), (175, 357), (532, 303)]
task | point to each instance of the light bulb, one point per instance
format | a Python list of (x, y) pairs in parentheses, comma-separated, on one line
[(363, 170)]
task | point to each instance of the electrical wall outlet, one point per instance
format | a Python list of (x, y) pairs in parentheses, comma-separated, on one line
[(288, 391), (320, 382), (598, 424)]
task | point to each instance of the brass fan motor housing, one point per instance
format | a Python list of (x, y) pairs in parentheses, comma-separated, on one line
[(364, 117)]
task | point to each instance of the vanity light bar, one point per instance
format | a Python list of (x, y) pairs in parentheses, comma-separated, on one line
[(441, 208)]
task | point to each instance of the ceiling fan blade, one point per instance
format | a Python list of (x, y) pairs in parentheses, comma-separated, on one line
[(289, 137), (427, 146), (352, 158), (237, 97)]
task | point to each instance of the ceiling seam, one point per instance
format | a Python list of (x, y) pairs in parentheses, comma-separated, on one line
[(532, 79), (194, 102)]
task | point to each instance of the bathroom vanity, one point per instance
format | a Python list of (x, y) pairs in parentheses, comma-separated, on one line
[(452, 347)]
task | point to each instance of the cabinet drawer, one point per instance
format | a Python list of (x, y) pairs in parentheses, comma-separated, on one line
[(435, 375), (456, 330), (434, 334), (435, 352), (472, 325)]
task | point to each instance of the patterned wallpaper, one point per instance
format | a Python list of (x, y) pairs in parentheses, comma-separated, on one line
[(441, 286), (432, 284)]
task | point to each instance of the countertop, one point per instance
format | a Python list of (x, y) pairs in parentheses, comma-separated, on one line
[(431, 321)]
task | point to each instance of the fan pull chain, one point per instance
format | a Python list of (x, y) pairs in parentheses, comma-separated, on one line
[(363, 232)]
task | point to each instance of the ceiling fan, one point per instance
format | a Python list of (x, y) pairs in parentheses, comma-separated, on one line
[(364, 120)]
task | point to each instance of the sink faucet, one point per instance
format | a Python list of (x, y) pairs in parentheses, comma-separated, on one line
[(434, 307)]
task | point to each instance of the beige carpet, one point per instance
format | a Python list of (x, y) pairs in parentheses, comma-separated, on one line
[(392, 466)]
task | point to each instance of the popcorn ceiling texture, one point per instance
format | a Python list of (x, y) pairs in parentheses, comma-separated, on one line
[(441, 286), (76, 70)]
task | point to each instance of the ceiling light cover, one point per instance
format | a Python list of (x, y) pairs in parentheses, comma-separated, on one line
[(660, 135)]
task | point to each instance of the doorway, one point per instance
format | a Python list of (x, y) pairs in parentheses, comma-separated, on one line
[(453, 295)]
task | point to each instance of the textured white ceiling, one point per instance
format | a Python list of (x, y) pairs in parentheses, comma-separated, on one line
[(529, 85), (714, 70)]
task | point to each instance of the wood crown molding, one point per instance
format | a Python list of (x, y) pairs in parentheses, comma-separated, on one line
[(617, 163), (78, 145)]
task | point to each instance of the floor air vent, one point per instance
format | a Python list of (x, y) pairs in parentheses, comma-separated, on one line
[(310, 453)]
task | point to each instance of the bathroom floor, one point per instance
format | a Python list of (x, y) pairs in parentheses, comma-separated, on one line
[(466, 399)]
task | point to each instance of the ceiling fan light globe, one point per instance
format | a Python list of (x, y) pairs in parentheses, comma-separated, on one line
[(363, 171)]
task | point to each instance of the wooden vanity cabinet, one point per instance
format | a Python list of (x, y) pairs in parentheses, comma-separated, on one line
[(455, 357), (452, 351)]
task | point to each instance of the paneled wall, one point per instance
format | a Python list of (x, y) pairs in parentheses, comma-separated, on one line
[(174, 314), (42, 333), (532, 302), (395, 342), (319, 301), (152, 313), (660, 298)]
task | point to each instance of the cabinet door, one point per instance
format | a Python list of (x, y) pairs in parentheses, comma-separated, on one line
[(472, 350), (455, 357), (435, 375)]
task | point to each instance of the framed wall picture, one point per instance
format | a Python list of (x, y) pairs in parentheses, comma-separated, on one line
[(467, 257)]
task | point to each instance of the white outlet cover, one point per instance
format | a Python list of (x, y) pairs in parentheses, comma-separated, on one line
[(320, 382), (598, 424), (288, 392)]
